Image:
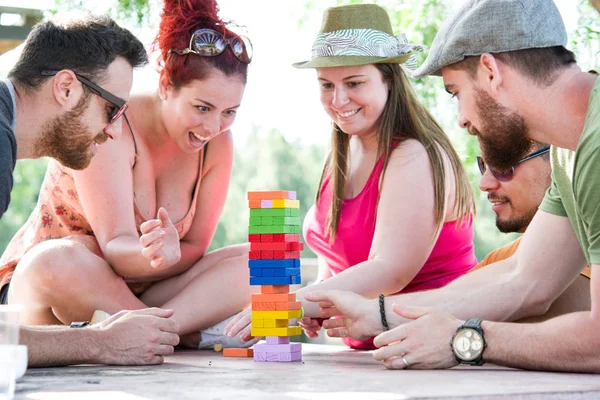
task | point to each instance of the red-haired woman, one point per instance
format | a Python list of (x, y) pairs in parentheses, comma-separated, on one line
[(132, 230)]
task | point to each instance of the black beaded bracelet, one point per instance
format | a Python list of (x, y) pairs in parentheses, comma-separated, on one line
[(386, 327)]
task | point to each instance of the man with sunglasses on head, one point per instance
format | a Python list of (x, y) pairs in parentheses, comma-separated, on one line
[(64, 97), (516, 194)]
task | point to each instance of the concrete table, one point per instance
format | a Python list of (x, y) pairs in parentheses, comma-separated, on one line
[(327, 372)]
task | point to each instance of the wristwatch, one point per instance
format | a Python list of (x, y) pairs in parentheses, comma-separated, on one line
[(468, 343)]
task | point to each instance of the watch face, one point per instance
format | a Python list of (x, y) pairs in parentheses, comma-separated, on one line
[(467, 344)]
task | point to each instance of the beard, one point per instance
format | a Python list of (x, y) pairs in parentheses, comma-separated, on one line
[(516, 224), (503, 138), (67, 139)]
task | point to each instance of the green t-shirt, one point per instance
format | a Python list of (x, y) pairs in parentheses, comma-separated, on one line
[(575, 189)]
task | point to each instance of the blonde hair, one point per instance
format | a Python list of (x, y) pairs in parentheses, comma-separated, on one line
[(403, 117)]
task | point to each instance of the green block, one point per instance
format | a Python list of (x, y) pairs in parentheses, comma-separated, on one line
[(286, 221), (255, 221), (268, 220), (274, 212), (274, 229)]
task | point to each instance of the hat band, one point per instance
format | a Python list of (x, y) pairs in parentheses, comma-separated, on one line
[(361, 42)]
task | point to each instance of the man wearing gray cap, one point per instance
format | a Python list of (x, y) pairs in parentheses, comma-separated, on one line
[(505, 62)]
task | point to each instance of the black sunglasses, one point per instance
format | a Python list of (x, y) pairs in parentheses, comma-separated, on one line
[(119, 103), (506, 176)]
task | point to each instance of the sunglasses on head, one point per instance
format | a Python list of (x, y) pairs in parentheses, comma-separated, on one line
[(119, 103), (506, 176), (208, 43)]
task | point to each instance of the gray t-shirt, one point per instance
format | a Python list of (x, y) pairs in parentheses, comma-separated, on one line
[(8, 145)]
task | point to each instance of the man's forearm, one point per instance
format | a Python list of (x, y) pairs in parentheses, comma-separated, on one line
[(566, 343), (495, 292), (58, 346)]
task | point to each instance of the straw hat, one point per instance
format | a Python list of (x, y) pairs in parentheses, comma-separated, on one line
[(358, 34)]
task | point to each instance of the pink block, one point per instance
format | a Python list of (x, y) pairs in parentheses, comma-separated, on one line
[(278, 339), (266, 204), (278, 348), (277, 357), (292, 195)]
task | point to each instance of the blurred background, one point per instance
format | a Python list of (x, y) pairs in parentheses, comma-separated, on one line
[(281, 132)]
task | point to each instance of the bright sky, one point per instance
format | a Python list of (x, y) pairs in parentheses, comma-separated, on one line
[(277, 96)]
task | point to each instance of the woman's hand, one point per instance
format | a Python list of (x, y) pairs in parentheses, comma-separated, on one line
[(160, 241)]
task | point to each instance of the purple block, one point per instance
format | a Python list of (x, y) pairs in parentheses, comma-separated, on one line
[(292, 195), (278, 348), (278, 339), (266, 204), (277, 357)]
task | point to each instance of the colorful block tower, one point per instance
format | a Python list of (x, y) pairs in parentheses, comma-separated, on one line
[(274, 236)]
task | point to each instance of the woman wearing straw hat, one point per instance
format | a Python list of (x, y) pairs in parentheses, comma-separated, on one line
[(393, 211)]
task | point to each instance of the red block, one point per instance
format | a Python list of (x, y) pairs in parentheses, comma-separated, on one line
[(254, 237), (285, 255), (266, 237), (266, 254), (285, 237), (254, 255), (282, 246), (295, 246)]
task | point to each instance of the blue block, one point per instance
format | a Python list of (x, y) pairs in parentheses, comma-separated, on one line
[(287, 272), (275, 280), (256, 271), (268, 271), (291, 263)]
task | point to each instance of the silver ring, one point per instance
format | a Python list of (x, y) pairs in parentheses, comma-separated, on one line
[(405, 362)]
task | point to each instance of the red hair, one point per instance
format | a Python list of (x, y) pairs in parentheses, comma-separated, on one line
[(179, 20)]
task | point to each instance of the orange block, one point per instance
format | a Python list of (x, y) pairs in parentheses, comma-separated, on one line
[(254, 204), (269, 195), (291, 305), (231, 352), (273, 289), (264, 306), (279, 297)]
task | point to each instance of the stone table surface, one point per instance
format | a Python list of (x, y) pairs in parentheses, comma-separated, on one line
[(326, 372)]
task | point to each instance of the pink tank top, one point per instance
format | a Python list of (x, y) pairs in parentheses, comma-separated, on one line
[(452, 255)]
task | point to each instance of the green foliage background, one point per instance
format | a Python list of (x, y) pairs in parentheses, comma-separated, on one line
[(268, 161)]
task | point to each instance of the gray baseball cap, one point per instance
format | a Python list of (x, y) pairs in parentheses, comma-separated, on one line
[(494, 26)]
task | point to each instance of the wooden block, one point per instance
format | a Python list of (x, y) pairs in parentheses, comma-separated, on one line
[(270, 289), (267, 203), (277, 339), (284, 204), (278, 348), (256, 221), (285, 220), (281, 246), (292, 305), (275, 323), (253, 238), (274, 212), (267, 255), (277, 357), (268, 271), (254, 255), (266, 220), (256, 271), (282, 297), (254, 204), (267, 238), (272, 194), (259, 323), (231, 352), (285, 238), (264, 306), (285, 255), (285, 272), (290, 314), (293, 263), (289, 331), (273, 229)]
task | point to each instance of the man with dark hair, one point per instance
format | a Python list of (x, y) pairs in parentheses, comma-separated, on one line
[(64, 97), (526, 87)]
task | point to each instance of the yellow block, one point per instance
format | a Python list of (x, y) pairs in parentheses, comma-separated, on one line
[(285, 204), (275, 323), (259, 323), (276, 314), (289, 331)]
